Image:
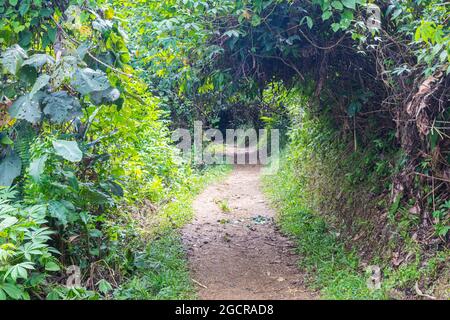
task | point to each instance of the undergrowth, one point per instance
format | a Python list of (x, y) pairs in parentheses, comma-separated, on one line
[(330, 267), (337, 209), (161, 270)]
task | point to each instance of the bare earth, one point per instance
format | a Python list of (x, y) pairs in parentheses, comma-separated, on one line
[(240, 254)]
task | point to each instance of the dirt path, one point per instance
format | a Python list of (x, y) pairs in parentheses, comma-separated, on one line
[(240, 254)]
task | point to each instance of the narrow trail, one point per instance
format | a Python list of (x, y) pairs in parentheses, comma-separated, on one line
[(240, 254)]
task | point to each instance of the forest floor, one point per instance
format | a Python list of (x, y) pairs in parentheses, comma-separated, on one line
[(234, 247)]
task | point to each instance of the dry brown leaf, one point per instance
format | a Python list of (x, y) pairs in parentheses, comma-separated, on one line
[(4, 116)]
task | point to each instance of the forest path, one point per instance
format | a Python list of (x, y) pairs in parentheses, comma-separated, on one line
[(235, 250)]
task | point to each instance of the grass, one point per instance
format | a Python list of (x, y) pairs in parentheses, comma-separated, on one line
[(330, 268), (161, 271), (223, 205)]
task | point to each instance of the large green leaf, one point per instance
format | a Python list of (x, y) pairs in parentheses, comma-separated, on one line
[(337, 5), (68, 150), (26, 108), (351, 4), (25, 38), (24, 7), (37, 167), (12, 290), (19, 270), (7, 222), (10, 168), (12, 58), (59, 211), (40, 83), (52, 266), (82, 50), (4, 139), (27, 74), (38, 60), (87, 80), (105, 96), (65, 69), (326, 15), (93, 195), (61, 107)]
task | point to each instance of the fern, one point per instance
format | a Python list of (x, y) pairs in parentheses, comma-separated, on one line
[(25, 136)]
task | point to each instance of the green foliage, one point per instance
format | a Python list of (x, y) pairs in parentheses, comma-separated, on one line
[(26, 257), (68, 150), (84, 141), (223, 205), (10, 167), (161, 273), (325, 199), (442, 219), (331, 268), (160, 269), (84, 130), (169, 41)]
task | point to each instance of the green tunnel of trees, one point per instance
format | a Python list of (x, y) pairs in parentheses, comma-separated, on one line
[(91, 90)]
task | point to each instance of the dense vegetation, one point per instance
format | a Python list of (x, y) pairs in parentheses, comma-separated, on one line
[(86, 153), (91, 89)]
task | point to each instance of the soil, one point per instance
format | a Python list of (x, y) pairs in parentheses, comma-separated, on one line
[(234, 248)]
